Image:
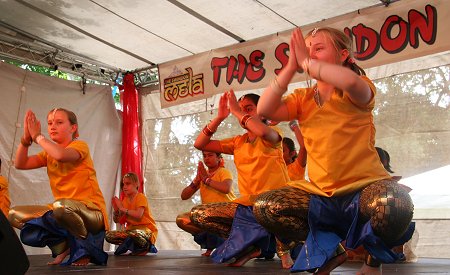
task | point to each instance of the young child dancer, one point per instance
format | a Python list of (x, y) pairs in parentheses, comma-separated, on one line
[(215, 185), (75, 223), (259, 162), (350, 195), (140, 231)]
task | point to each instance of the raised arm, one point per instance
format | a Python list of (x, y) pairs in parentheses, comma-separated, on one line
[(334, 74), (59, 153), (22, 160), (221, 186), (270, 104), (253, 125), (204, 141), (190, 190)]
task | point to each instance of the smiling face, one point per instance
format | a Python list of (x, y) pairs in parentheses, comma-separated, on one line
[(59, 128)]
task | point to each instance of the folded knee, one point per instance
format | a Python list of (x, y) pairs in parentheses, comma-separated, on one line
[(389, 208)]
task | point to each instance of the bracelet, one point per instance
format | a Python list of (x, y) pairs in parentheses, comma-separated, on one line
[(318, 72), (207, 181), (25, 143), (39, 138), (207, 131), (293, 124), (244, 119), (305, 65)]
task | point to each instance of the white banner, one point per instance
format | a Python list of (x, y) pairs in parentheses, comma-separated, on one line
[(381, 35)]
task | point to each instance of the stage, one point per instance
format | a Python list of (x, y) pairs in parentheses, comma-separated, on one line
[(191, 262)]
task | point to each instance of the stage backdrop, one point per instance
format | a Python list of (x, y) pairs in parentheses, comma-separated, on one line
[(99, 126), (381, 35)]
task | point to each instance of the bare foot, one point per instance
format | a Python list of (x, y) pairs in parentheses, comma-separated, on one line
[(369, 270), (82, 262), (207, 253), (332, 264), (60, 258), (255, 252), (286, 261)]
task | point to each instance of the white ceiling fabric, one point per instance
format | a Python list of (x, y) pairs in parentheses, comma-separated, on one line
[(127, 35)]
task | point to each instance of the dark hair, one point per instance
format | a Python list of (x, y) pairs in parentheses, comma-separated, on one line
[(253, 97), (385, 159), (291, 146), (219, 156)]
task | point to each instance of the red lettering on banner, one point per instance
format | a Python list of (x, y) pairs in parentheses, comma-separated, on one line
[(239, 68), (368, 41), (282, 56), (394, 44), (419, 25)]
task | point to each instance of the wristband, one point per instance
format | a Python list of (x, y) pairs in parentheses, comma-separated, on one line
[(207, 131), (293, 124), (305, 65), (244, 120), (25, 143), (39, 138), (208, 181)]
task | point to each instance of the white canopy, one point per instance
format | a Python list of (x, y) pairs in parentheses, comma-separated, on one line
[(127, 35)]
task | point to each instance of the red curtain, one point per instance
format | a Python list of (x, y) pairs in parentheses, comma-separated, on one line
[(131, 142)]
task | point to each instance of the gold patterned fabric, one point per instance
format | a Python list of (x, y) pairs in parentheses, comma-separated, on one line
[(140, 235), (69, 214), (389, 208), (215, 218), (284, 212), (385, 203)]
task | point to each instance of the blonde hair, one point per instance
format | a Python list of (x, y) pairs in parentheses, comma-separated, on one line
[(340, 42), (71, 116), (132, 176)]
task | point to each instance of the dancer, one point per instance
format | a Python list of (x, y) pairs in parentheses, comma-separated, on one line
[(260, 166), (5, 202), (296, 163), (75, 223), (140, 231), (215, 185), (349, 195)]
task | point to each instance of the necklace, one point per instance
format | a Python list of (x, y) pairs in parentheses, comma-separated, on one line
[(317, 97)]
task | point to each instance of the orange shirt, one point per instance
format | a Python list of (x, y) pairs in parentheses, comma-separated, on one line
[(76, 180), (5, 202), (210, 195), (260, 166), (339, 138), (140, 200), (296, 171)]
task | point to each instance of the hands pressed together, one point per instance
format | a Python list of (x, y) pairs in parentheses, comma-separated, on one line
[(299, 52), (31, 128)]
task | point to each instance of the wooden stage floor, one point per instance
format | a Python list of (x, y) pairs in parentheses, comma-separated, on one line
[(191, 262)]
